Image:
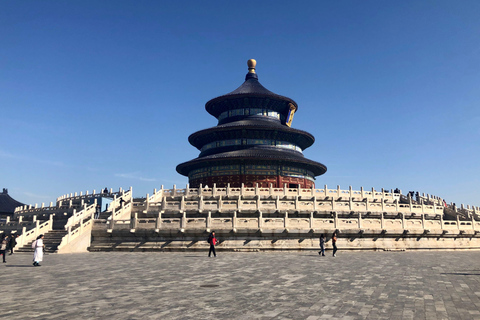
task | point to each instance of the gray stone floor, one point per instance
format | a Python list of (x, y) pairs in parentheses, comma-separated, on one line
[(298, 285)]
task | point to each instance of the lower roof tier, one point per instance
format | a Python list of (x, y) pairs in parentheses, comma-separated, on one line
[(253, 157)]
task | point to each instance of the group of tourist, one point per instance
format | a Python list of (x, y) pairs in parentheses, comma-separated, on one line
[(322, 244), (212, 240), (9, 243)]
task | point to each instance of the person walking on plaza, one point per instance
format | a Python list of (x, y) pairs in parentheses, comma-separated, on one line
[(13, 242), (213, 242), (3, 248), (334, 243), (38, 253), (322, 245)]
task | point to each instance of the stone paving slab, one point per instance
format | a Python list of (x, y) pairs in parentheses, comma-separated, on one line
[(265, 285)]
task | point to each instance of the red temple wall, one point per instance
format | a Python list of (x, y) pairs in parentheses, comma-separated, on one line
[(263, 181)]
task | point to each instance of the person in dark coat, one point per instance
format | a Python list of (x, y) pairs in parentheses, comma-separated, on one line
[(3, 248), (213, 242), (322, 245), (13, 242)]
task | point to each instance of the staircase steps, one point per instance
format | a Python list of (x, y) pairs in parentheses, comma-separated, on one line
[(51, 241), (104, 215)]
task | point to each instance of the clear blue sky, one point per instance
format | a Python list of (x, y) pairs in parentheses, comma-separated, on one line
[(98, 94)]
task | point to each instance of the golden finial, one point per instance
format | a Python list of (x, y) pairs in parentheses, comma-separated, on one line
[(251, 65)]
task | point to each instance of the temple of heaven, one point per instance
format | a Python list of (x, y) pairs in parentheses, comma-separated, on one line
[(253, 142)]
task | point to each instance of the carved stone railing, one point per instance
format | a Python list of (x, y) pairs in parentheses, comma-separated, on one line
[(87, 212), (232, 222), (361, 194)]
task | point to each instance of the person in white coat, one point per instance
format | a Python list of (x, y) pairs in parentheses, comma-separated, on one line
[(38, 253)]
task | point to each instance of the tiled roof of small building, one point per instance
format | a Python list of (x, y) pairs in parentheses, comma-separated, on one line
[(7, 203)]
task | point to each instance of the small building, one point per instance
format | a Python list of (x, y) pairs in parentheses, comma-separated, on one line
[(7, 204)]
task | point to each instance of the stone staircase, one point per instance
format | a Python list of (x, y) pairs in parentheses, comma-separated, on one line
[(51, 241)]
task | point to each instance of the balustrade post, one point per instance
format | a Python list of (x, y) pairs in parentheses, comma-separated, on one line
[(81, 225), (361, 191), (158, 222), (234, 221), (423, 221), (69, 234), (220, 204), (360, 220), (335, 220), (403, 220), (258, 201), (36, 228), (325, 191), (270, 189), (209, 218), (242, 189), (133, 221), (20, 219), (441, 220), (34, 218), (277, 203), (228, 191), (260, 220), (200, 204), (311, 220), (214, 191), (24, 230), (183, 224), (8, 219), (182, 204), (147, 202), (285, 220), (315, 203), (382, 222)]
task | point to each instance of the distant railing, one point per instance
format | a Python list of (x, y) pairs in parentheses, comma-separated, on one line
[(383, 200), (73, 196)]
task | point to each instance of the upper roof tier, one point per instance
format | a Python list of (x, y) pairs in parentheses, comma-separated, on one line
[(251, 88)]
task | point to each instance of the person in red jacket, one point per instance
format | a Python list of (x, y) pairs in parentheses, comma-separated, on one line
[(213, 242)]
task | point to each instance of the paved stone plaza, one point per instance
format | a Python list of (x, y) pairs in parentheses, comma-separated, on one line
[(290, 285)]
